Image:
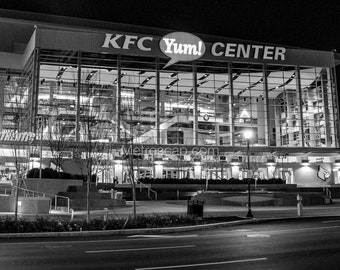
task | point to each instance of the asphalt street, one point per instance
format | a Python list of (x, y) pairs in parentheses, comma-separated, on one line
[(277, 245)]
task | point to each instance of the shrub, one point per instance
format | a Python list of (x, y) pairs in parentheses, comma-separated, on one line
[(8, 225), (53, 174), (231, 181)]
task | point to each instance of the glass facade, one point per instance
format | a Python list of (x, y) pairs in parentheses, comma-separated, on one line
[(187, 104), (173, 119)]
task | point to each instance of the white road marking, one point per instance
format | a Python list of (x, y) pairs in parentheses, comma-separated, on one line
[(258, 235), (275, 231), (137, 249), (331, 221), (160, 236), (201, 264)]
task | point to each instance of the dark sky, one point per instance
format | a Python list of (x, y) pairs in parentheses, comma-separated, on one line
[(313, 24)]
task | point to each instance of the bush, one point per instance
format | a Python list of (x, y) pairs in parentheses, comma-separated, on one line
[(231, 181), (8, 225), (49, 173)]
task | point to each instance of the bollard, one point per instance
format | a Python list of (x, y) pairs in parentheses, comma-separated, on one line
[(299, 205), (72, 214), (106, 214)]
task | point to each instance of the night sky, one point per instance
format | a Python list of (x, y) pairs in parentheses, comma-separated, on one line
[(298, 23)]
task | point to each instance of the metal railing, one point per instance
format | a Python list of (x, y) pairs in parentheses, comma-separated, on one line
[(148, 187), (54, 199)]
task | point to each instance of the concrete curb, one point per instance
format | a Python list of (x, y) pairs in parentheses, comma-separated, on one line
[(157, 230)]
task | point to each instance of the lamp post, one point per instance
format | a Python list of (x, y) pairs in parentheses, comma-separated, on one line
[(247, 135)]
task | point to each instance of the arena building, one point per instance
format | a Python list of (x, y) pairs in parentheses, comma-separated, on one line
[(176, 104)]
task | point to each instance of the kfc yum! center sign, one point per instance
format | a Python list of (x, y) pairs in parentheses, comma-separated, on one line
[(182, 46)]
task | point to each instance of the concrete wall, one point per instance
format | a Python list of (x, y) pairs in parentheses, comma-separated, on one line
[(7, 203), (307, 175), (51, 186), (33, 205), (26, 205)]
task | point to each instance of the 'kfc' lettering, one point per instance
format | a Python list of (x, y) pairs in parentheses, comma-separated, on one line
[(126, 42)]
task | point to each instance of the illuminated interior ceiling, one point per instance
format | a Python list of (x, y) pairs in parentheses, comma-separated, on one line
[(245, 84)]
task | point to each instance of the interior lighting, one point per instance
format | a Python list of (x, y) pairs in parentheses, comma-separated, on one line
[(146, 81), (121, 76), (118, 160), (173, 74), (61, 72), (221, 87), (244, 114), (171, 84), (285, 83), (197, 161), (305, 162), (91, 74), (159, 161), (235, 164), (204, 76), (271, 162)]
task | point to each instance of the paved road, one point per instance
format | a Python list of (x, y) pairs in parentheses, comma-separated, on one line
[(293, 245)]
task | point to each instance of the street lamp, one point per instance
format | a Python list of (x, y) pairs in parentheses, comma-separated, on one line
[(247, 135)]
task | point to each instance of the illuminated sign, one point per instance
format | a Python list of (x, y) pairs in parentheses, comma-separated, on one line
[(248, 51), (181, 46), (9, 135), (125, 42)]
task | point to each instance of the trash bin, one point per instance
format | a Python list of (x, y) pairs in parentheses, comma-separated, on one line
[(195, 209), (119, 195)]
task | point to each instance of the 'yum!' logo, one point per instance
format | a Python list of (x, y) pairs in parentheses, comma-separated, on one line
[(181, 46)]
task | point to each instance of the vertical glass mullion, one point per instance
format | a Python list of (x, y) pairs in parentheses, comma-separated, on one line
[(298, 80), (78, 95), (231, 102), (266, 94), (195, 109)]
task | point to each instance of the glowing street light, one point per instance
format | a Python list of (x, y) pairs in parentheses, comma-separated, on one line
[(247, 135)]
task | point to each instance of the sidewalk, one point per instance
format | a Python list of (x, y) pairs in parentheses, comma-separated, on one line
[(180, 207)]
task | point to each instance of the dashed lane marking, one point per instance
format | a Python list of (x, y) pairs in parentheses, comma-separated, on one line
[(137, 249), (201, 264)]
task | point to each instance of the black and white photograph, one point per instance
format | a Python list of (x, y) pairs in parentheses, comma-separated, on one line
[(151, 135)]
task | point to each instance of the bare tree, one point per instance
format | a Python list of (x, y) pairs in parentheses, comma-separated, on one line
[(93, 133), (57, 141), (14, 128), (129, 156)]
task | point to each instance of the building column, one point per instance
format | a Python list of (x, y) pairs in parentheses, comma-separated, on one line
[(158, 171), (335, 103), (78, 97), (299, 90), (231, 104), (267, 126), (35, 88), (119, 172), (118, 98), (2, 99), (157, 101), (326, 108), (195, 109), (197, 171)]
